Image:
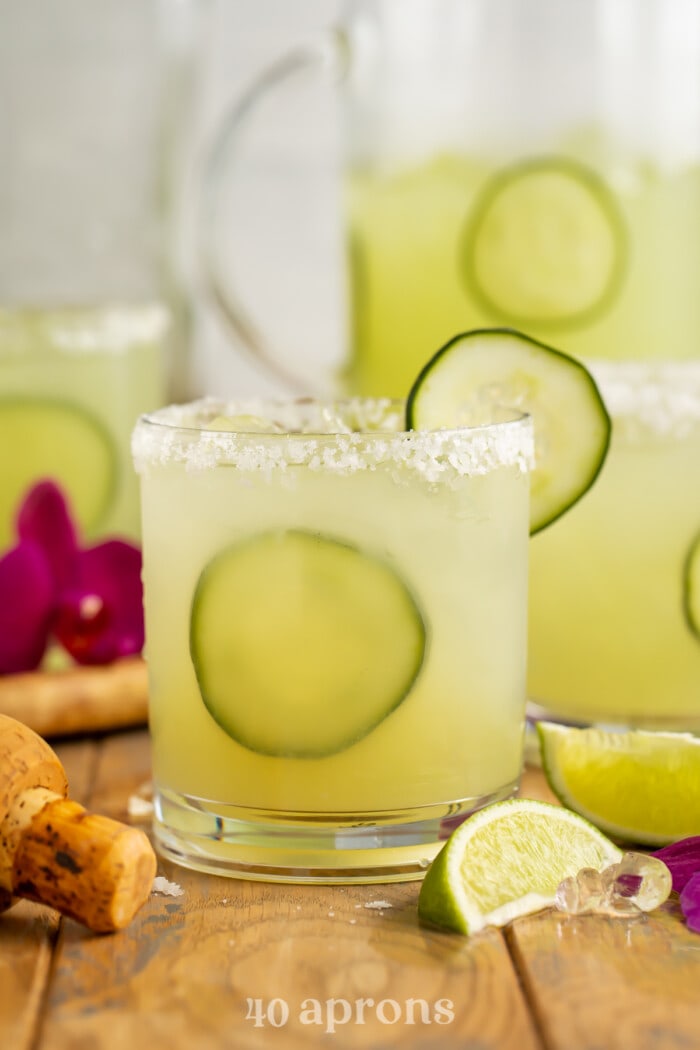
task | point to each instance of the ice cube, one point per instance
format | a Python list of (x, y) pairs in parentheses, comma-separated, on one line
[(638, 883), (640, 878), (581, 893)]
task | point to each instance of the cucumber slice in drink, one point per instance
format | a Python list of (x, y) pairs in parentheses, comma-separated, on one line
[(301, 643), (691, 587), (505, 367), (545, 244), (43, 438)]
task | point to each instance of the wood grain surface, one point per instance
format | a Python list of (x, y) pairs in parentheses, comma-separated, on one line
[(249, 965)]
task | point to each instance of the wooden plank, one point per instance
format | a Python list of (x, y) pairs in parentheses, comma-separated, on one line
[(28, 934), (190, 968), (534, 785), (611, 983), (123, 768), (79, 759)]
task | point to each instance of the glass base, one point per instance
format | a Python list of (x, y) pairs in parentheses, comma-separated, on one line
[(689, 723), (307, 847)]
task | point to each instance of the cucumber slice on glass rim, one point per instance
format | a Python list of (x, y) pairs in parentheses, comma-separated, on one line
[(691, 587), (545, 244), (46, 438), (504, 367), (301, 643)]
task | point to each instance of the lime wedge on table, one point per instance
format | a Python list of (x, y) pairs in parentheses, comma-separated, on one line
[(507, 860), (637, 786), (502, 366), (301, 643), (691, 587), (45, 438), (545, 244)]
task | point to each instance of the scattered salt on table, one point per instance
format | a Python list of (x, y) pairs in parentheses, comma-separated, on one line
[(139, 807), (167, 889), (140, 804)]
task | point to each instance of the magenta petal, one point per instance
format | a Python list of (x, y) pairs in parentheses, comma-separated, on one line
[(690, 902), (45, 519), (83, 627), (26, 607), (682, 858), (100, 617)]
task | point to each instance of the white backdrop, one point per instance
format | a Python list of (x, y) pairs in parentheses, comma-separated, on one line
[(244, 37)]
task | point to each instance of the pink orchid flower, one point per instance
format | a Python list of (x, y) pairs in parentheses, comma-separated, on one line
[(88, 599), (682, 858)]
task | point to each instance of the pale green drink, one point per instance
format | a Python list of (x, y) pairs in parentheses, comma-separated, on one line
[(335, 617), (614, 603), (72, 383)]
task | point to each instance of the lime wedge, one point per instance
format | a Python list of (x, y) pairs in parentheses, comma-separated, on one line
[(502, 366), (507, 860), (44, 438), (637, 786), (691, 587), (301, 643), (545, 244)]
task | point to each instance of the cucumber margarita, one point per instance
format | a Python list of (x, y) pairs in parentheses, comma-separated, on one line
[(615, 586), (589, 250), (335, 614), (72, 382)]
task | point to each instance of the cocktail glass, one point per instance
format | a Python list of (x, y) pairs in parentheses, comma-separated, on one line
[(336, 632), (615, 585), (72, 382), (96, 115)]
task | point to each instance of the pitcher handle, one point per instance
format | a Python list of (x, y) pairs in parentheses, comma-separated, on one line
[(326, 53)]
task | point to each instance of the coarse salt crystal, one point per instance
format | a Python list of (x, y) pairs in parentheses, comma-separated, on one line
[(166, 888), (139, 807), (179, 433)]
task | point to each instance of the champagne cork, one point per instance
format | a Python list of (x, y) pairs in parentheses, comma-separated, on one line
[(52, 850)]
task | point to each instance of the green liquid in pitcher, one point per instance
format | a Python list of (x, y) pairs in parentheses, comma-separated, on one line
[(600, 261)]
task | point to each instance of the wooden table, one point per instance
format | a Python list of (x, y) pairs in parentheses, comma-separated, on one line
[(243, 965)]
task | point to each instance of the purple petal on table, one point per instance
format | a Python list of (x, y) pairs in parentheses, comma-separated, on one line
[(628, 885), (682, 858), (26, 607), (44, 518), (690, 902), (100, 617)]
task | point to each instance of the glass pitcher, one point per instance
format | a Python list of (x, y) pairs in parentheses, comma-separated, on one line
[(95, 102), (531, 163)]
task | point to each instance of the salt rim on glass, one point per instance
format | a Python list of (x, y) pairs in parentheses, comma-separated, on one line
[(650, 398), (337, 436)]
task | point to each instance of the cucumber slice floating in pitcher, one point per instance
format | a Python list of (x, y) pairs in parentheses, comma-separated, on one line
[(545, 244), (46, 438), (504, 367), (301, 643), (691, 587)]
